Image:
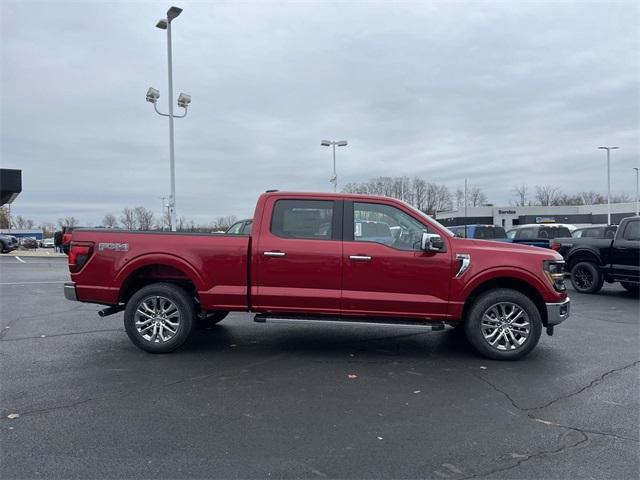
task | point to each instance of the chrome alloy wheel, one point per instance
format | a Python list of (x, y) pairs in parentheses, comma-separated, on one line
[(505, 326), (157, 319)]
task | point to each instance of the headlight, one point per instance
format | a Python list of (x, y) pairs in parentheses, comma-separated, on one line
[(554, 271)]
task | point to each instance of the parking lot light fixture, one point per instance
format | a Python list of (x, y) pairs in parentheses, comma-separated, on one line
[(183, 101), (608, 149), (330, 143)]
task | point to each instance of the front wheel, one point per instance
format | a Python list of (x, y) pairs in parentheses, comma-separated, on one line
[(586, 277), (159, 317), (503, 324)]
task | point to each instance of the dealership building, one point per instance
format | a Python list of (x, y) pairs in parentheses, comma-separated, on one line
[(508, 217)]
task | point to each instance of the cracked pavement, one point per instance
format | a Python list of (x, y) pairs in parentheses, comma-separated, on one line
[(246, 400)]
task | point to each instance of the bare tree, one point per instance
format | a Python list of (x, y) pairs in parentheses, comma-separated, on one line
[(419, 193), (68, 222), (223, 223), (20, 222), (109, 221), (48, 229), (181, 223), (620, 198), (128, 219), (592, 198), (459, 199), (521, 192), (477, 198), (144, 218), (547, 195)]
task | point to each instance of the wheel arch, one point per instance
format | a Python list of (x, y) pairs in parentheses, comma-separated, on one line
[(167, 269), (508, 282), (582, 255)]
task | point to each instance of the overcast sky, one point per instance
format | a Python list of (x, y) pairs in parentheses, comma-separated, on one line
[(500, 92)]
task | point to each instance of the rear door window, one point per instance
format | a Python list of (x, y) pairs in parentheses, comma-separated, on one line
[(304, 219)]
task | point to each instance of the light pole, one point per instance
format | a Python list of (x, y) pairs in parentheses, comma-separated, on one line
[(329, 143), (183, 101), (637, 188), (162, 212), (608, 149)]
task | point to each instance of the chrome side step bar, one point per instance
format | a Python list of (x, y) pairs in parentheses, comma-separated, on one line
[(350, 322)]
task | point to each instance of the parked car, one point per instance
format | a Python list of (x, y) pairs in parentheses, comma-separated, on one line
[(242, 227), (47, 243), (8, 243), (539, 235), (304, 263), (482, 232), (593, 261), (595, 231), (29, 243)]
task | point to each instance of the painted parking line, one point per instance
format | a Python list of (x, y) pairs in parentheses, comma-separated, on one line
[(20, 260), (31, 283)]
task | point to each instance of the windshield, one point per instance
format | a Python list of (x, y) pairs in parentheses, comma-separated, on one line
[(490, 232)]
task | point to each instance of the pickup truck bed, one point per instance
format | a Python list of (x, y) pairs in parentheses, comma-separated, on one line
[(216, 265)]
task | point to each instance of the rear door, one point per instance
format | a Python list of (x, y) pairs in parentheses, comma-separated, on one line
[(385, 272), (297, 265)]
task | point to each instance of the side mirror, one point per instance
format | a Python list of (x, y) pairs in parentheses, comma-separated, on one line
[(432, 242)]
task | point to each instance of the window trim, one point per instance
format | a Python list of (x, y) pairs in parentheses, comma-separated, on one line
[(336, 218)]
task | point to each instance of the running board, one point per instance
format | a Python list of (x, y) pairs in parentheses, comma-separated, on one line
[(350, 322)]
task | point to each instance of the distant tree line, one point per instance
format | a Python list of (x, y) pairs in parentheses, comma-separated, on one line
[(430, 197), (546, 195)]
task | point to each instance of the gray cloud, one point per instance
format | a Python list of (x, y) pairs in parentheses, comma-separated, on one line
[(499, 92)]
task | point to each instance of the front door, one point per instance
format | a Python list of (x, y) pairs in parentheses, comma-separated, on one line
[(385, 273), (297, 265), (625, 252)]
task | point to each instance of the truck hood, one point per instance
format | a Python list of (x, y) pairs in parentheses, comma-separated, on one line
[(491, 246)]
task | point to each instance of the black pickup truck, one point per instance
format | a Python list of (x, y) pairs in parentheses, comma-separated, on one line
[(593, 261)]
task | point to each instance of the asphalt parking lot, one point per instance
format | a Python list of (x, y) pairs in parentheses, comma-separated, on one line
[(247, 400)]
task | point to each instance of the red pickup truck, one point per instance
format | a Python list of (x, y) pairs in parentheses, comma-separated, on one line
[(328, 258)]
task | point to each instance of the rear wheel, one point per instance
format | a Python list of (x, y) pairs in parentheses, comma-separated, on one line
[(159, 317), (503, 324), (633, 288), (586, 277)]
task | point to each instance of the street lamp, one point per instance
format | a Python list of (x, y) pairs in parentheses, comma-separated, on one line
[(637, 188), (183, 101), (329, 143), (608, 149)]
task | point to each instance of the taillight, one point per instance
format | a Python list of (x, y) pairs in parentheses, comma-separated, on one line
[(555, 246), (79, 253)]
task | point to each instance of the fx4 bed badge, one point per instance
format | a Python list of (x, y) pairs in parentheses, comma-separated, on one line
[(118, 247)]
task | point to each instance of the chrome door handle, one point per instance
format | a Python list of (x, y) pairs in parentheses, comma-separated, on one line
[(361, 258), (274, 254)]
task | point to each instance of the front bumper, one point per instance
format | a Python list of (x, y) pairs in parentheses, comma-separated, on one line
[(70, 291), (558, 312)]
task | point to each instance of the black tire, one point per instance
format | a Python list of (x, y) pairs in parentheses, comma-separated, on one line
[(632, 288), (166, 294), (505, 348), (586, 277)]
